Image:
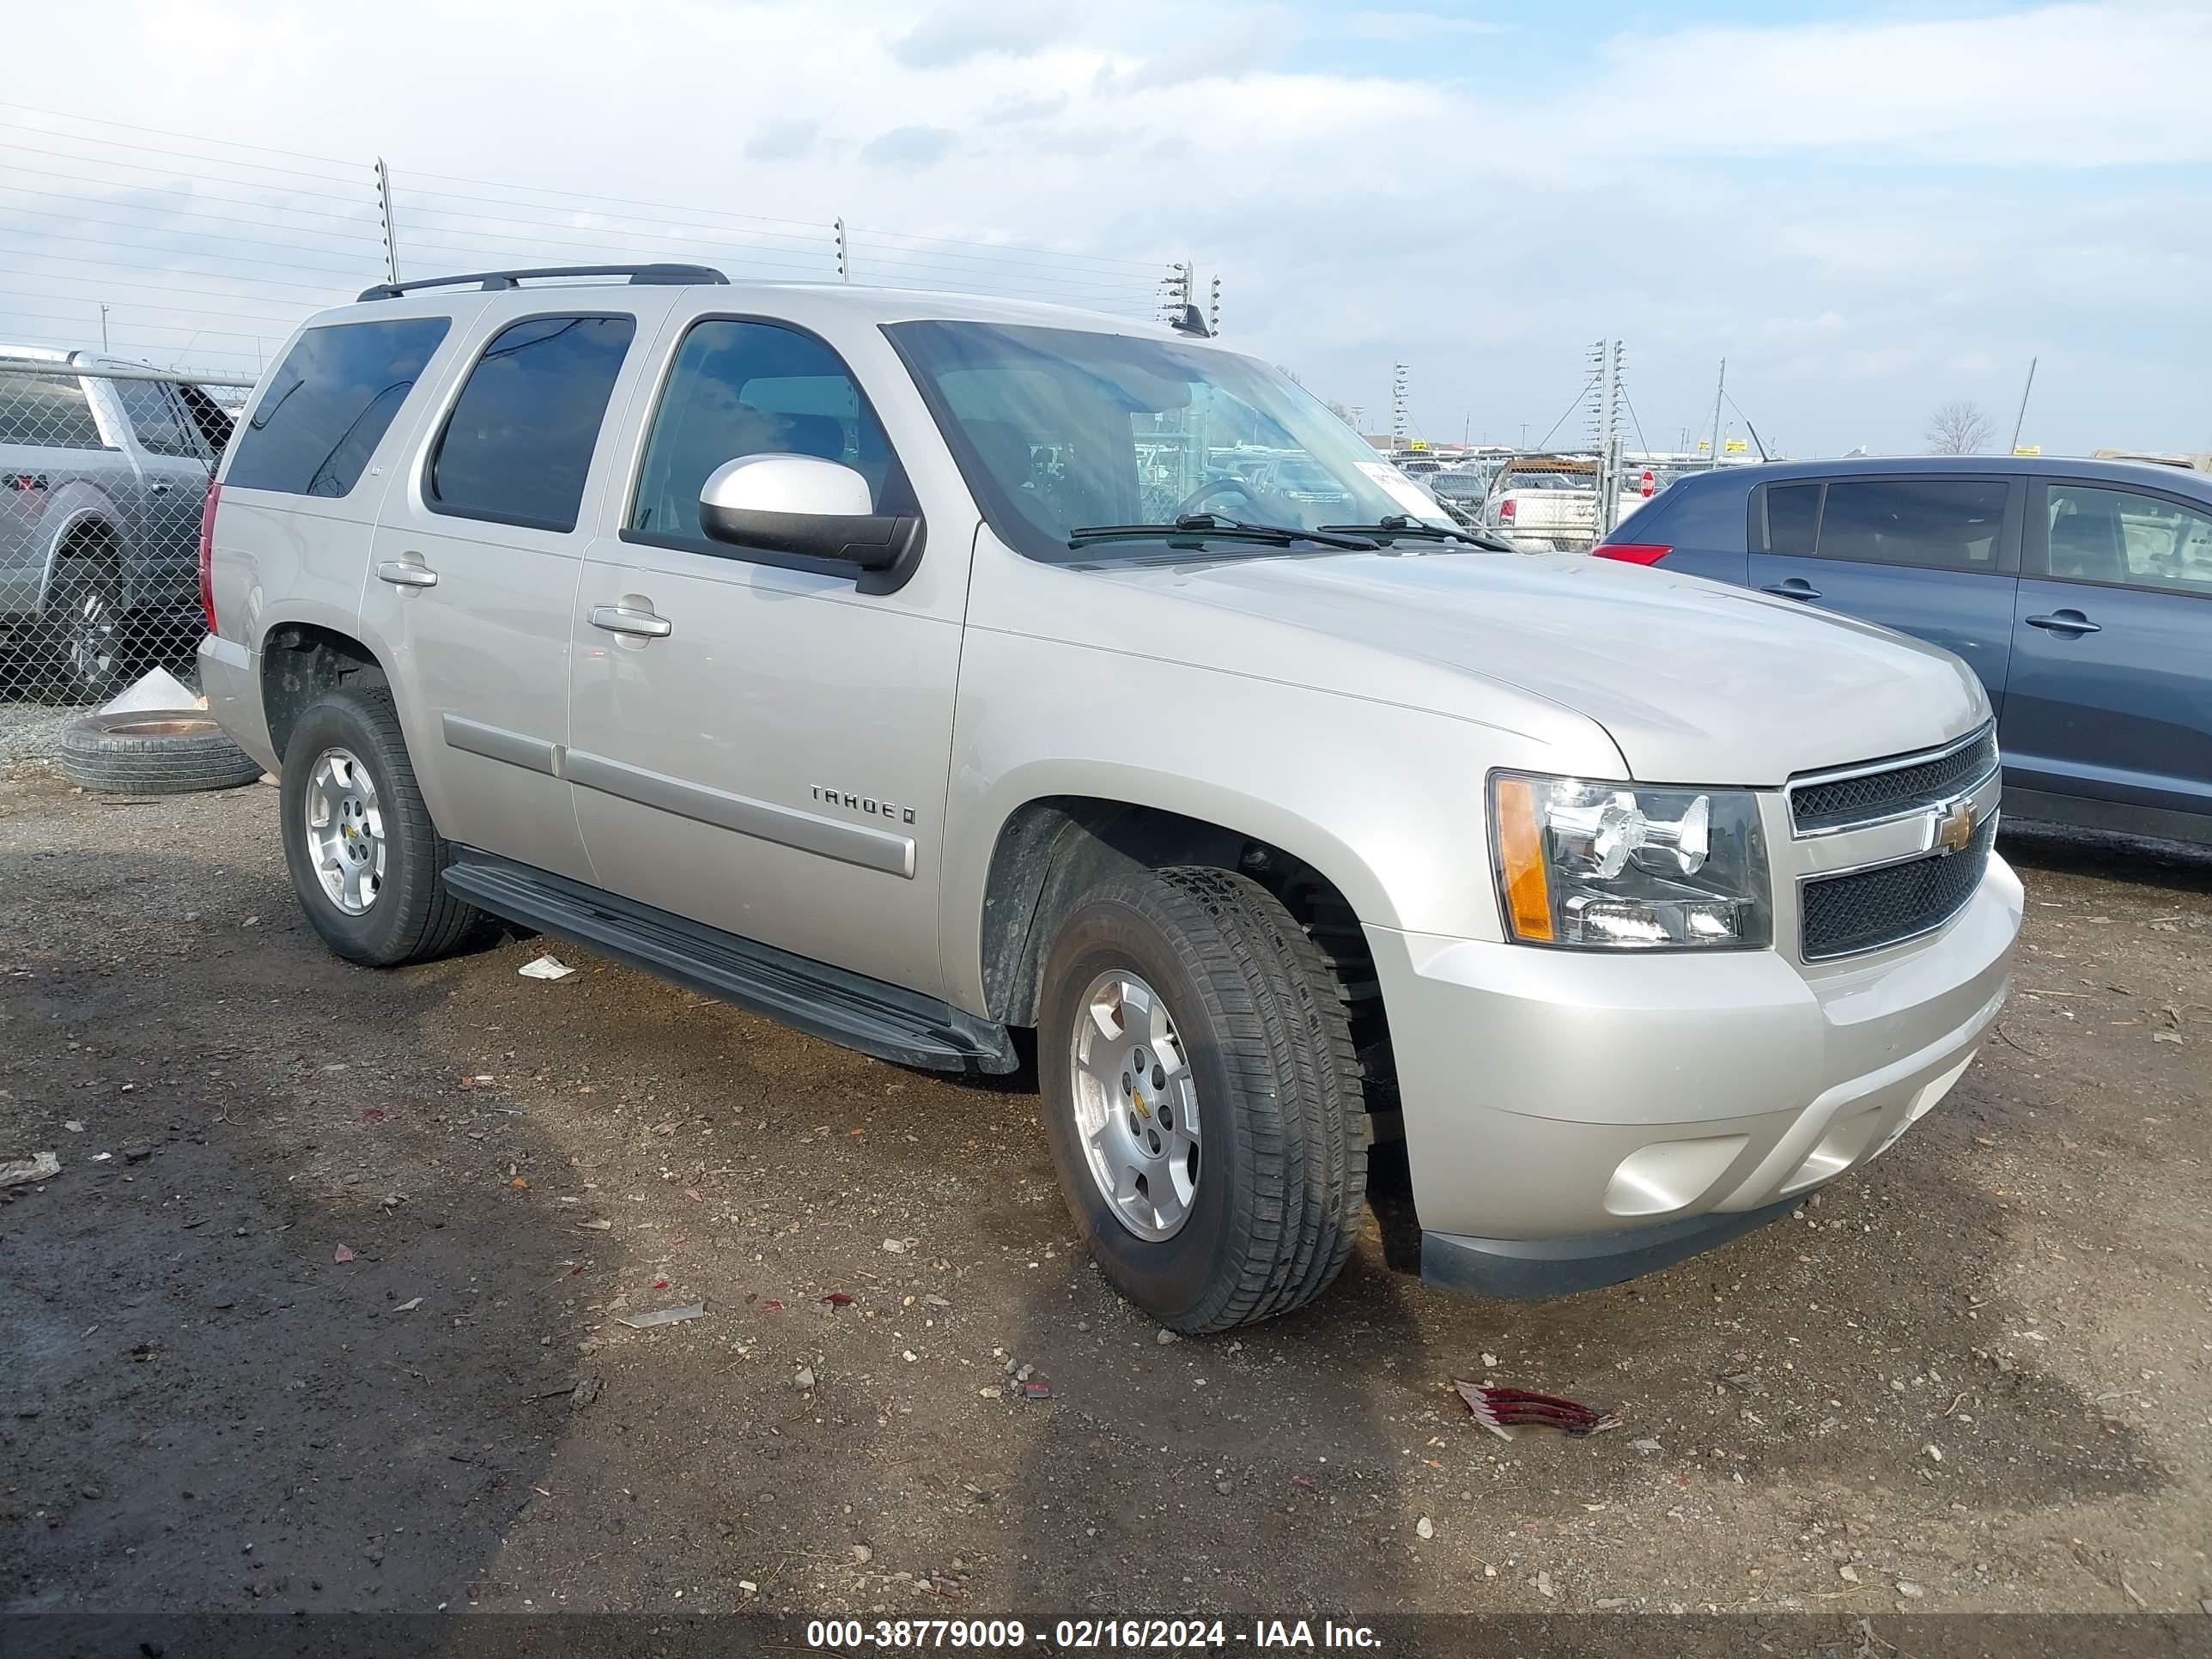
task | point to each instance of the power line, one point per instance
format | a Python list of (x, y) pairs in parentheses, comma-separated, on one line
[(163, 132), (141, 166), (83, 204)]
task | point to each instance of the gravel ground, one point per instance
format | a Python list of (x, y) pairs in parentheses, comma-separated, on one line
[(322, 1310)]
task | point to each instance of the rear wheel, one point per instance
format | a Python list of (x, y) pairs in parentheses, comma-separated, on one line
[(1202, 1098), (364, 856), (85, 611)]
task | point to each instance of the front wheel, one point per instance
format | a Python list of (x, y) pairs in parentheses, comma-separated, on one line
[(364, 856), (1202, 1098)]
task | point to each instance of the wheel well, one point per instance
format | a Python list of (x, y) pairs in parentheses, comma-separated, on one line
[(1051, 852), (299, 663)]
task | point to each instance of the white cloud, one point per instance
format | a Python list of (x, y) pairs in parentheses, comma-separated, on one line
[(1843, 210), (1405, 27)]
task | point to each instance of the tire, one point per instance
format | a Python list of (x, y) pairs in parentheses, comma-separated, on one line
[(85, 618), (156, 753), (391, 864), (1280, 1180)]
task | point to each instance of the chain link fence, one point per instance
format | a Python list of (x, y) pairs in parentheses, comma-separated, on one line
[(104, 473)]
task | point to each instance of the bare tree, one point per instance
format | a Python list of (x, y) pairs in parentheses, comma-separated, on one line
[(1960, 428)]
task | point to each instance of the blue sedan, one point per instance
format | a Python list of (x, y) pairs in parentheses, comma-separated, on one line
[(2081, 592)]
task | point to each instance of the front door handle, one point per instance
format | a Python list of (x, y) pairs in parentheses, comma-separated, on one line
[(1796, 588), (2064, 622), (406, 573), (638, 624)]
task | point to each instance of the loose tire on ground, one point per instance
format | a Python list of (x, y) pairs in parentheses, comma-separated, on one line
[(411, 917), (156, 753), (1282, 1170)]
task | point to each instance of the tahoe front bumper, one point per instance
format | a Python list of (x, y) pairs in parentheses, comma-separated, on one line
[(1575, 1118)]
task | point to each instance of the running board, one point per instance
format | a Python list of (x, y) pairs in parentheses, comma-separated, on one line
[(884, 1020)]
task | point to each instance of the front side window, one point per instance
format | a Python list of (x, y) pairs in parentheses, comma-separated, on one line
[(47, 411), (518, 446), (329, 404), (155, 418), (1057, 430), (1938, 524), (744, 388), (2101, 535)]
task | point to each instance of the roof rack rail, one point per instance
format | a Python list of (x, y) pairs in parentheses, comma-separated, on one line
[(640, 276)]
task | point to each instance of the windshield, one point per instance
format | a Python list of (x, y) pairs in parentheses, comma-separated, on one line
[(1057, 430)]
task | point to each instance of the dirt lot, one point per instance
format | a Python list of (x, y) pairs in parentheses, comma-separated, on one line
[(297, 1325)]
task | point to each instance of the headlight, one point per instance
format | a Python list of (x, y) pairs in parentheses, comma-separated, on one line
[(1619, 866)]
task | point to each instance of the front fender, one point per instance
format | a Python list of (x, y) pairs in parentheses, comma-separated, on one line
[(1384, 801)]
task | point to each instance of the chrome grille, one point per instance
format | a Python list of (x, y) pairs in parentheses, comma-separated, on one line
[(1867, 909), (1867, 796)]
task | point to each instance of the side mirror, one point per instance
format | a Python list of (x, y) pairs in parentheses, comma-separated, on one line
[(805, 506)]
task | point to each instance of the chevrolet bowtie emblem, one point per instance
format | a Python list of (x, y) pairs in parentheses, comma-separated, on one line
[(1955, 827)]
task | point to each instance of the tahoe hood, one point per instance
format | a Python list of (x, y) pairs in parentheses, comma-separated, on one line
[(1695, 682)]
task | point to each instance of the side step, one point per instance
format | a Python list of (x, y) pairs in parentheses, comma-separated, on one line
[(884, 1020)]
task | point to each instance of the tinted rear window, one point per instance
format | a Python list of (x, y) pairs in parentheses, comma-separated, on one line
[(329, 405), (47, 410), (519, 442), (1940, 524), (1792, 515)]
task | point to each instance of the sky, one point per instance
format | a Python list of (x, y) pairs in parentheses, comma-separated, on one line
[(1867, 209)]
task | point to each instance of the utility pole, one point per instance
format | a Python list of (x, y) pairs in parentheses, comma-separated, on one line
[(103, 334), (844, 254), (1397, 407), (2019, 421), (391, 238), (1718, 391)]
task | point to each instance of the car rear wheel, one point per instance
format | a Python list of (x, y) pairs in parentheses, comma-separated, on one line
[(1202, 1098), (364, 856)]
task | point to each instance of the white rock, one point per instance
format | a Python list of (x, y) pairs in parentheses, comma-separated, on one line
[(1427, 1528)]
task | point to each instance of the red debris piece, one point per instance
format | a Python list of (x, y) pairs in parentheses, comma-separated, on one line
[(1036, 1387), (373, 1115), (773, 1304), (838, 1299), (660, 1283), (344, 1255), (1499, 1409)]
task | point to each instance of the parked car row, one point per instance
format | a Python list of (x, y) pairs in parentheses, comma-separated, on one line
[(2079, 591)]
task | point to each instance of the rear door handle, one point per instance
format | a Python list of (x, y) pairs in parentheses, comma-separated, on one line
[(638, 624), (2064, 622), (1796, 588), (406, 573)]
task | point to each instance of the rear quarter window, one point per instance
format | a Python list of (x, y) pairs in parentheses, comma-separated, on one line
[(47, 411), (329, 403)]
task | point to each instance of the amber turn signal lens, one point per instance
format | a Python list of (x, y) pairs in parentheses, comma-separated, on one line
[(1520, 857)]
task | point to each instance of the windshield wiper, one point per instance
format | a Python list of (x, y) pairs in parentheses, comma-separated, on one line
[(1351, 538), (1398, 525)]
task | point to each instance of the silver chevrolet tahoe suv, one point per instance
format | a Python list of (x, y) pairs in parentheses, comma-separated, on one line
[(919, 670)]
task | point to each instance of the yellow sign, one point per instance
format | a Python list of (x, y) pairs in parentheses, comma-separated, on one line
[(1705, 447), (1735, 446), (2027, 449), (1417, 443)]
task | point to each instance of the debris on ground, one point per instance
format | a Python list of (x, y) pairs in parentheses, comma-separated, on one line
[(1035, 1386), (1425, 1528), (1500, 1410), (546, 967), (408, 1306), (646, 1322), (838, 1299), (39, 1166), (802, 1379), (343, 1254), (585, 1392)]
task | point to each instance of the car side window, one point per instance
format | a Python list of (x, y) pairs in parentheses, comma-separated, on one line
[(752, 388), (157, 419), (2094, 533), (47, 411), (328, 405), (1934, 524), (1793, 518), (518, 446)]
